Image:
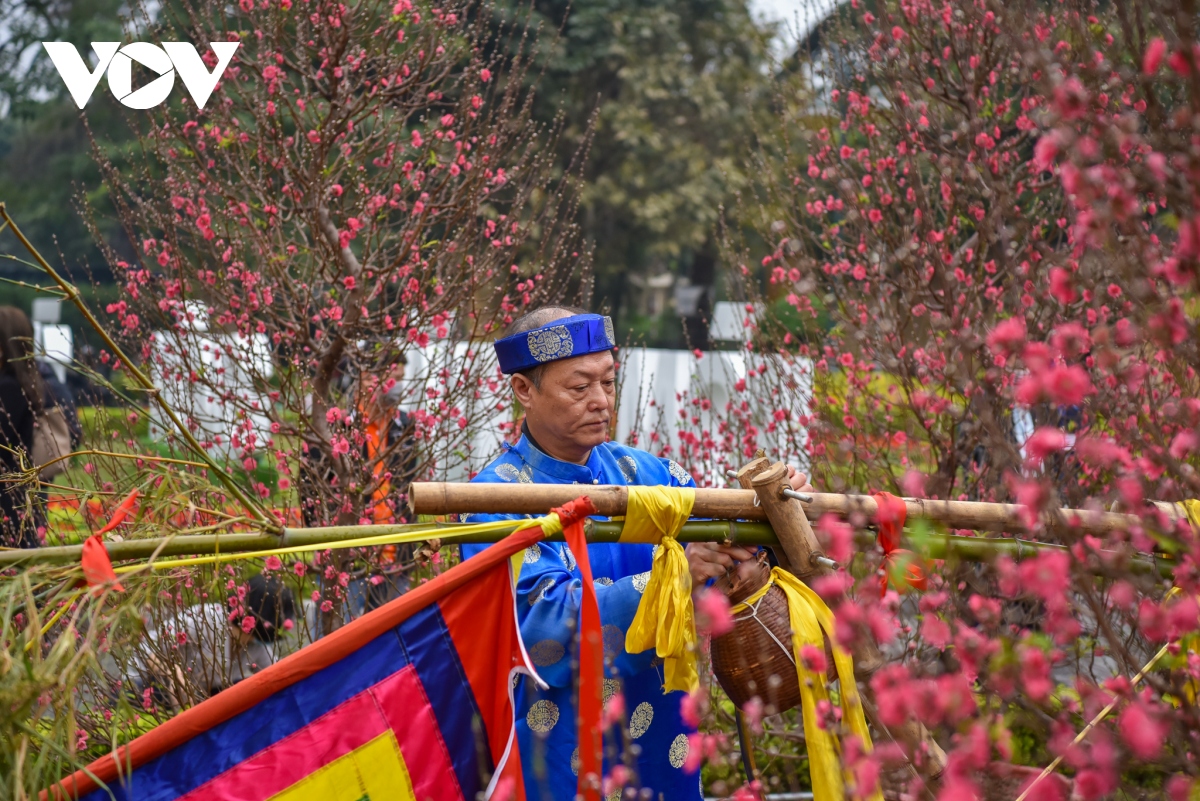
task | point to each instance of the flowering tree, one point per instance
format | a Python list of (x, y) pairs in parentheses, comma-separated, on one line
[(994, 204), (355, 194)]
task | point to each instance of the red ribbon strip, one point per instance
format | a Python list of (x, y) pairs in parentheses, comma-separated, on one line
[(126, 508), (591, 653), (891, 515), (97, 567)]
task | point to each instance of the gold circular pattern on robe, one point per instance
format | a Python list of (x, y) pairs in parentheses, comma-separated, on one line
[(542, 716), (532, 554), (525, 476), (614, 640), (611, 688), (628, 468), (548, 344), (507, 472), (677, 472), (575, 761), (568, 557), (615, 795), (546, 652), (641, 719), (539, 592), (641, 580), (603, 581), (679, 750)]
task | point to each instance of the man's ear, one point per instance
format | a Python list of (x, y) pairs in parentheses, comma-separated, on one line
[(522, 388)]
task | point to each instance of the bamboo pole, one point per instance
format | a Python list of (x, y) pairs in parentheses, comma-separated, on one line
[(970, 549), (197, 545), (437, 498)]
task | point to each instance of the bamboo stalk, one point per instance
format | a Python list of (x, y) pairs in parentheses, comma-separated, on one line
[(436, 498), (198, 544), (971, 549)]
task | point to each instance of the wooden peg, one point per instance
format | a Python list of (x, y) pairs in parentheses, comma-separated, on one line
[(789, 521), (745, 476)]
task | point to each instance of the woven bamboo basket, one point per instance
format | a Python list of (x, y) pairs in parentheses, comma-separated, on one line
[(755, 659)]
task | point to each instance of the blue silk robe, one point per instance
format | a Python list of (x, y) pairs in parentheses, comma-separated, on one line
[(549, 591)]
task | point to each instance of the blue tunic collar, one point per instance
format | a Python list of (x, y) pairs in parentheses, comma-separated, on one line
[(563, 471)]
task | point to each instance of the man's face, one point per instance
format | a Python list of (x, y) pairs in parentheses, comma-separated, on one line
[(571, 410)]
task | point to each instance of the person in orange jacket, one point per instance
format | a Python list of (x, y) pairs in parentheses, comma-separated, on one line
[(373, 387), (387, 448)]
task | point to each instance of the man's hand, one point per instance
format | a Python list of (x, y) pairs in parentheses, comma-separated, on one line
[(709, 560), (798, 480)]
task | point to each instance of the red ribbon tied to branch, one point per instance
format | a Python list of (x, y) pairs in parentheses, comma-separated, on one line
[(126, 508), (591, 652), (891, 515), (97, 567)]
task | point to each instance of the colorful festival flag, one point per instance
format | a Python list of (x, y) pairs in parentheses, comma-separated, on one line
[(412, 701)]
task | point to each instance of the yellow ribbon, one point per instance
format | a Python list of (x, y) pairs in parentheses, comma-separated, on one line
[(665, 620), (655, 513), (812, 621), (1191, 689), (550, 524), (1192, 510), (65, 606)]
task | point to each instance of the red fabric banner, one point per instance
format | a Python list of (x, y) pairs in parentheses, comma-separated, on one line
[(591, 653)]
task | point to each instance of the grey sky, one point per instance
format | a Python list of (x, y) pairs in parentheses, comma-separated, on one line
[(796, 16)]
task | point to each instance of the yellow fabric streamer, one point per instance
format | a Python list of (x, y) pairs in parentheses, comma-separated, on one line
[(550, 524), (1190, 642), (812, 621), (1192, 509), (66, 605), (665, 620)]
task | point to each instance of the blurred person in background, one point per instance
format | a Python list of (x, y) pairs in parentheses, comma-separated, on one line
[(204, 648), (389, 455), (388, 448), (373, 420), (57, 394), (21, 402)]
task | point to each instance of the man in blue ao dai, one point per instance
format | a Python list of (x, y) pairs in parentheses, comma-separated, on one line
[(562, 371)]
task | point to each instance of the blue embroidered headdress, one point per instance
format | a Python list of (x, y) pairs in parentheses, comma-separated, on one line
[(560, 339)]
